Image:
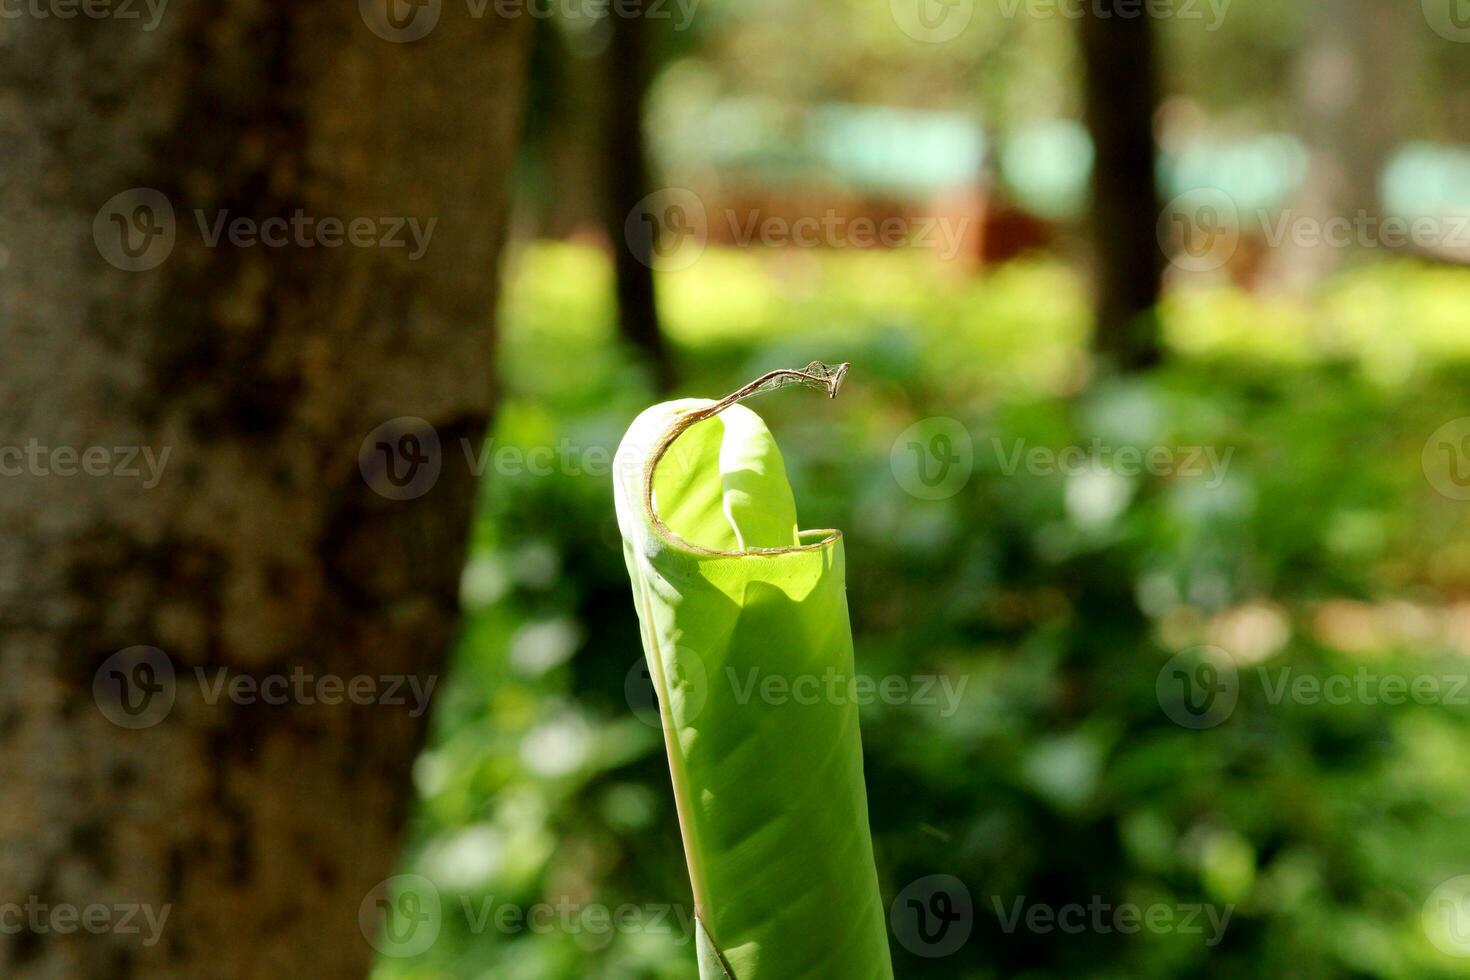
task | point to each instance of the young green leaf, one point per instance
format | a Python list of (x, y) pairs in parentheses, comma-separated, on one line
[(745, 628)]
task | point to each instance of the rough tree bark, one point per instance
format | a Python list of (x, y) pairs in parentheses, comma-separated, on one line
[(261, 549), (1121, 95)]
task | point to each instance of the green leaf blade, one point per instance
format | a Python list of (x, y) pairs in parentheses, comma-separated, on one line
[(766, 758)]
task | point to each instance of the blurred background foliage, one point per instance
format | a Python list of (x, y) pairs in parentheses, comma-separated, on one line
[(1057, 598)]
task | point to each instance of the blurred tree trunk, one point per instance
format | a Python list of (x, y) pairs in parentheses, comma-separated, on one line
[(1117, 53), (628, 66), (1355, 94), (573, 120), (261, 550)]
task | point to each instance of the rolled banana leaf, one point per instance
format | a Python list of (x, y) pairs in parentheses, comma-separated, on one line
[(745, 628)]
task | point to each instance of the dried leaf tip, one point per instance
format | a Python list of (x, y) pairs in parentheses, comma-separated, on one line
[(817, 374), (834, 379)]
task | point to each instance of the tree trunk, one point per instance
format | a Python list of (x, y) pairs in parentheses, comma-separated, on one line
[(1117, 53), (259, 547), (627, 169), (571, 137), (1352, 91)]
